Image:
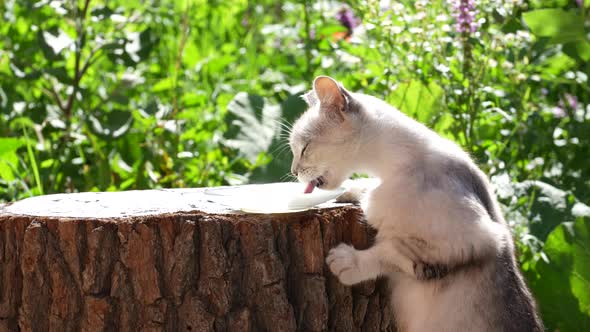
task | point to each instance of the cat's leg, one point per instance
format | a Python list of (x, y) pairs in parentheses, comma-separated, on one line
[(423, 259), (434, 258), (352, 266)]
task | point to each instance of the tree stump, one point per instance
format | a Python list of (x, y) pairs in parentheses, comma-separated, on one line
[(176, 260)]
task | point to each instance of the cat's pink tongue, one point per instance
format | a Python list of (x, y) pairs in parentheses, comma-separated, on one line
[(310, 187)]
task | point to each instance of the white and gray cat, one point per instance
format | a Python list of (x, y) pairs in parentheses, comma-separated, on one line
[(441, 238)]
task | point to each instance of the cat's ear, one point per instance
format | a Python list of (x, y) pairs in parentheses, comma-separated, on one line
[(310, 98), (332, 96)]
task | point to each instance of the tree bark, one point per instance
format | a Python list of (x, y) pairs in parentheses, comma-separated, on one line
[(175, 260)]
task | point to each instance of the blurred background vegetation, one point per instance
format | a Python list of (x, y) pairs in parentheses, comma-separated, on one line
[(119, 95)]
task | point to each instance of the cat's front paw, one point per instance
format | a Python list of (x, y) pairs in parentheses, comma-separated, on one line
[(352, 196), (357, 190), (343, 262)]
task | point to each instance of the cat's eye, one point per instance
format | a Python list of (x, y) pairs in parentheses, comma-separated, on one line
[(304, 148)]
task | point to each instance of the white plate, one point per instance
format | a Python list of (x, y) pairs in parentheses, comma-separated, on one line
[(272, 198)]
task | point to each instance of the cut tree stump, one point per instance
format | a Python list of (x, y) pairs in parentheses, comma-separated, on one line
[(176, 260)]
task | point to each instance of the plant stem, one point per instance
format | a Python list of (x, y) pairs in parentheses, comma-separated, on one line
[(468, 90), (309, 69), (178, 67), (78, 72)]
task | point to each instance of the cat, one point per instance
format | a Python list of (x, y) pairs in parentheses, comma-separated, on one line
[(441, 238)]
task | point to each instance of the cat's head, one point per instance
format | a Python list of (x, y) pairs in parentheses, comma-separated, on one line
[(324, 140)]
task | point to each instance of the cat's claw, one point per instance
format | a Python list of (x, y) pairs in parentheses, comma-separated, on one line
[(343, 262)]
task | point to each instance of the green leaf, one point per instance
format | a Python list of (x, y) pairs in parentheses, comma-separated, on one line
[(563, 288), (60, 73), (418, 100), (579, 49), (548, 3), (253, 125), (556, 65), (557, 24), (280, 165), (583, 49), (328, 30), (164, 85), (548, 210), (113, 124), (33, 163), (47, 163), (8, 156)]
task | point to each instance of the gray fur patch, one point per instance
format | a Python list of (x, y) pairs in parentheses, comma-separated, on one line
[(475, 182), (464, 176)]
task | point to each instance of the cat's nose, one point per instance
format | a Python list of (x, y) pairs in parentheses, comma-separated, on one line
[(294, 170)]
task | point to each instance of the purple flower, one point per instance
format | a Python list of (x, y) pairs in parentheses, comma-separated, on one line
[(558, 112), (312, 33), (580, 3), (347, 19), (572, 101), (464, 15)]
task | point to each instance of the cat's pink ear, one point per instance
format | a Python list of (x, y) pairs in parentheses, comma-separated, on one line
[(329, 93)]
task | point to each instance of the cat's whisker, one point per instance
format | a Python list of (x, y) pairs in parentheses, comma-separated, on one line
[(277, 151), (285, 126), (290, 177)]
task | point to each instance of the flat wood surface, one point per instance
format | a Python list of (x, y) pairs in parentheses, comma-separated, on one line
[(133, 203)]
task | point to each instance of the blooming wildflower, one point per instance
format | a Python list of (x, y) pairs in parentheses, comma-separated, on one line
[(415, 30), (347, 19), (421, 4), (420, 16), (442, 68), (465, 16), (571, 100), (558, 112), (396, 29), (442, 18)]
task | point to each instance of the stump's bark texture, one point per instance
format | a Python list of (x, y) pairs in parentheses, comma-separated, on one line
[(193, 267)]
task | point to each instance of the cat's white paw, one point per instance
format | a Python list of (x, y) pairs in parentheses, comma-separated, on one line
[(357, 190), (343, 262)]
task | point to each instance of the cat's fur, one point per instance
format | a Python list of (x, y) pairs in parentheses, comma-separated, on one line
[(441, 238)]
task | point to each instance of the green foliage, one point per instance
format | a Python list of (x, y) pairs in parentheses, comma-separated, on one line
[(559, 25), (562, 281), (118, 95), (423, 102), (252, 124), (8, 157)]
